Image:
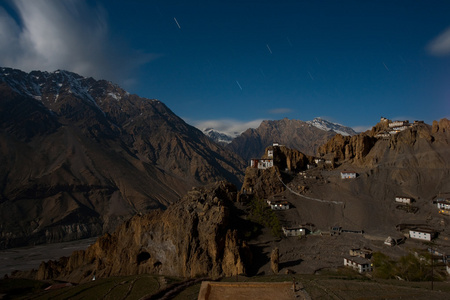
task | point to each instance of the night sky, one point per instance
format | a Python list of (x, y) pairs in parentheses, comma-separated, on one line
[(231, 64)]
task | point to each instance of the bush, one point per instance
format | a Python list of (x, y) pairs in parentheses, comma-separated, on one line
[(408, 267), (263, 215)]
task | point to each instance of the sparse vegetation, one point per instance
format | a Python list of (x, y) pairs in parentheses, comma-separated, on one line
[(408, 267), (262, 214)]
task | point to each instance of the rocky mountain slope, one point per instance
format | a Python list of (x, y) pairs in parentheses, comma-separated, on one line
[(78, 156), (294, 134), (193, 237), (413, 163)]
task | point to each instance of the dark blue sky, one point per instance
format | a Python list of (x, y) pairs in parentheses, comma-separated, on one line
[(234, 63)]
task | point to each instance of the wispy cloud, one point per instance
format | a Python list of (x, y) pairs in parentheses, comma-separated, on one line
[(361, 128), (69, 35), (441, 44), (228, 126), (279, 111)]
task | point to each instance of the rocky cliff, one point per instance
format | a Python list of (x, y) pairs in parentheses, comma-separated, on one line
[(367, 150), (264, 183), (193, 237), (78, 156), (346, 148)]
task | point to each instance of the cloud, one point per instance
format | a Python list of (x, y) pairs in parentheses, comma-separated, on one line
[(361, 128), (440, 45), (228, 126), (70, 35), (280, 111)]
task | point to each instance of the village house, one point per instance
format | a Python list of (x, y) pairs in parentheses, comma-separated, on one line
[(319, 160), (364, 252), (400, 199), (294, 231), (396, 124), (278, 204), (348, 175), (422, 234), (270, 153), (383, 135), (443, 203), (359, 264), (261, 164)]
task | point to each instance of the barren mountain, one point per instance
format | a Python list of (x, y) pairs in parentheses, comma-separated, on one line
[(294, 134), (412, 163), (79, 155)]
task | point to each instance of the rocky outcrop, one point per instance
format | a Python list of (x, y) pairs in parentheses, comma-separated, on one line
[(442, 126), (275, 260), (262, 183), (265, 183), (347, 148), (288, 159), (365, 150), (193, 237)]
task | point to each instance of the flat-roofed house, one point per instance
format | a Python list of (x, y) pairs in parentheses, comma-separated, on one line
[(348, 175), (402, 199), (294, 231), (359, 264), (422, 234)]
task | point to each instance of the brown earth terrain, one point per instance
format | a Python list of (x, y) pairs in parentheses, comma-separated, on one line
[(414, 163)]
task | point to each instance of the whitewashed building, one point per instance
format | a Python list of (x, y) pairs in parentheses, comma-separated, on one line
[(422, 234), (401, 199), (395, 124), (261, 163), (359, 264), (443, 203), (294, 231), (348, 175), (279, 204)]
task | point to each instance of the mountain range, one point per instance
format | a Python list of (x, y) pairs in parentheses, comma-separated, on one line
[(322, 124), (79, 155), (302, 136)]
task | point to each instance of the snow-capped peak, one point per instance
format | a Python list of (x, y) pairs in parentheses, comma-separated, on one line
[(217, 136), (330, 126)]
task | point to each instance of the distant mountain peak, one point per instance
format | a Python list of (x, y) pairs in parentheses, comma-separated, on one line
[(218, 136), (330, 126)]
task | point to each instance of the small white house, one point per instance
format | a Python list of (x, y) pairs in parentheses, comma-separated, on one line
[(398, 124), (261, 163), (400, 199), (443, 203), (270, 153), (319, 160), (348, 175), (359, 264), (279, 205), (421, 234), (294, 231)]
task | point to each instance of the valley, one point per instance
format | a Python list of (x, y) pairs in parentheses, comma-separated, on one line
[(83, 158)]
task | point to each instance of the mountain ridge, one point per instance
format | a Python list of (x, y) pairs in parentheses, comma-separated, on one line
[(80, 155)]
